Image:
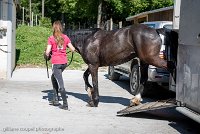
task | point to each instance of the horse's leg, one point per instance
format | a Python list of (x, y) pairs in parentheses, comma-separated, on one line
[(87, 84), (144, 75), (136, 100), (95, 93), (158, 62), (85, 77)]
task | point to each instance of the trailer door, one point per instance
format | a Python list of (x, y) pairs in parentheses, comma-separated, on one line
[(188, 63)]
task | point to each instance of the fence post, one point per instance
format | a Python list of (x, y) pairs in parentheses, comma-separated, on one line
[(23, 15), (107, 25), (32, 20), (36, 20), (120, 24), (111, 24)]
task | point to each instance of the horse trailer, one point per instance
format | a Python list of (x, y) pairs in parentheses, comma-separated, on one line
[(188, 60)]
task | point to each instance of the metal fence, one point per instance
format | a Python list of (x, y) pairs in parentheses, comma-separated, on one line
[(79, 35)]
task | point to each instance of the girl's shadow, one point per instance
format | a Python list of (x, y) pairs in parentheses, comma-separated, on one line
[(84, 97)]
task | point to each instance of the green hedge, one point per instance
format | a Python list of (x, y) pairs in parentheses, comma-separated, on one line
[(45, 22), (30, 45)]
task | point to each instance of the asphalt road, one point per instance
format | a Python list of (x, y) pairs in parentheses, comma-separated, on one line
[(25, 109)]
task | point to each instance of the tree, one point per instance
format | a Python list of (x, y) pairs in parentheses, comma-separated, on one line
[(138, 6), (89, 12), (99, 14)]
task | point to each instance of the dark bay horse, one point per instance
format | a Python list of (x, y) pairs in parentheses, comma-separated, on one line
[(105, 48)]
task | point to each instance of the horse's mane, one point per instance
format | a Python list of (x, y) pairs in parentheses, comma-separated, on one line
[(82, 34)]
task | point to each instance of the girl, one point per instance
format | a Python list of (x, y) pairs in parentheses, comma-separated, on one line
[(57, 44)]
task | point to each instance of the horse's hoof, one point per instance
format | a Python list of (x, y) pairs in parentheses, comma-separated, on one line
[(91, 104), (64, 107), (88, 105), (134, 102)]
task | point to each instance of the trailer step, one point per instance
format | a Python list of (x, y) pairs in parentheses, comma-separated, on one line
[(148, 106)]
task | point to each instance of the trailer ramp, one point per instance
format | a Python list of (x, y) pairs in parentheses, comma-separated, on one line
[(148, 106)]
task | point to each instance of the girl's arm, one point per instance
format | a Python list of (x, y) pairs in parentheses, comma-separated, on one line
[(48, 50), (71, 47)]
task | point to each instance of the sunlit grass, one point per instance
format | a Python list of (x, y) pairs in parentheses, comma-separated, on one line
[(30, 45)]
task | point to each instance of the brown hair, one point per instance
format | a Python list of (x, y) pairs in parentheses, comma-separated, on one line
[(57, 33)]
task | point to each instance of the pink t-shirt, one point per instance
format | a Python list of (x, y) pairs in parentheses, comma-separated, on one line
[(59, 55)]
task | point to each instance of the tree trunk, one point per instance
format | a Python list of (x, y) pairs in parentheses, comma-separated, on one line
[(42, 8), (99, 14), (30, 12)]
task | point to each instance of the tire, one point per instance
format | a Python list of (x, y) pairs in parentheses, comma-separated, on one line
[(134, 80), (112, 75)]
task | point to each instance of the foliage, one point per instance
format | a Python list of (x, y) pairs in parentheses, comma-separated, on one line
[(45, 22), (30, 42), (85, 11), (35, 8), (138, 6), (30, 45)]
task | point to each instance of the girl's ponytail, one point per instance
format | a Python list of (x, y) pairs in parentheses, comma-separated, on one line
[(57, 33)]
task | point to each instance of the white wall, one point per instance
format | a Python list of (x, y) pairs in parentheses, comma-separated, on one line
[(7, 41)]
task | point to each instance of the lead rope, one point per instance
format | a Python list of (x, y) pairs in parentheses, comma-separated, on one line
[(47, 67), (71, 58), (67, 64)]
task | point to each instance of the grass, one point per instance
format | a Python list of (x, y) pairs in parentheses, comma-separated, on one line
[(30, 45)]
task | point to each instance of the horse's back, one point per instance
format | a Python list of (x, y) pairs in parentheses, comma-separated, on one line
[(116, 47), (119, 46)]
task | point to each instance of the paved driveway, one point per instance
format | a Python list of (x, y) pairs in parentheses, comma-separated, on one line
[(25, 109)]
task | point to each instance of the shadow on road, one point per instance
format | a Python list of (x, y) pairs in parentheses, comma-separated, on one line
[(49, 95), (84, 97), (154, 91)]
